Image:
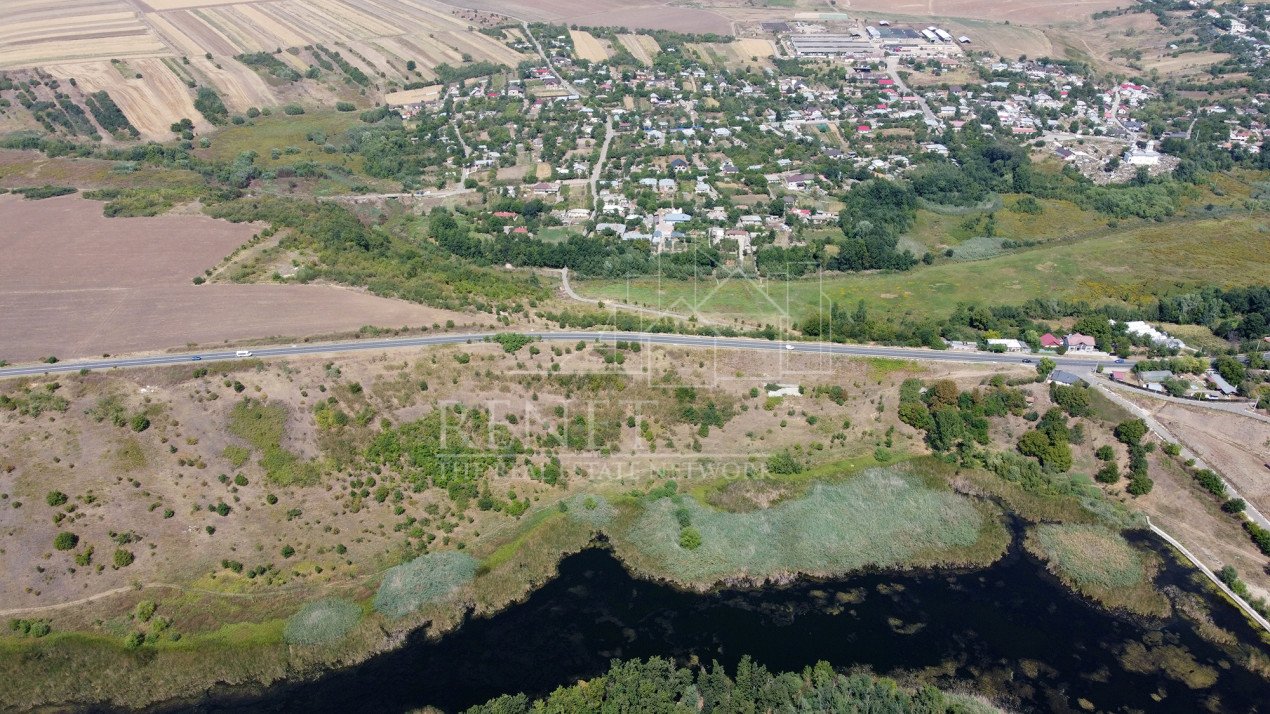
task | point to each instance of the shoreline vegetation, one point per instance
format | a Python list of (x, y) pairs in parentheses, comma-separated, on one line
[(918, 522)]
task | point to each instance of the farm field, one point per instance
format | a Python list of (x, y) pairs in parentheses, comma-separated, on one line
[(655, 15), (734, 54), (643, 47), (587, 47), (1122, 265), (36, 32), (171, 43), (73, 286)]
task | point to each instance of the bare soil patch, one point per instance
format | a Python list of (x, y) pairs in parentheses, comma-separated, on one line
[(1238, 447), (75, 284)]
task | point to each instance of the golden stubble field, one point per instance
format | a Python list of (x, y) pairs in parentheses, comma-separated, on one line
[(168, 42)]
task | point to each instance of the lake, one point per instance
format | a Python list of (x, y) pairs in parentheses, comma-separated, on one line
[(1011, 632)]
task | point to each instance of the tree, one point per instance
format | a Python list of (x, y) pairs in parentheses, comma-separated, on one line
[(65, 541), (1045, 366), (1105, 453), (916, 415), (949, 429), (1231, 369), (942, 392), (1131, 431), (689, 538), (1073, 400)]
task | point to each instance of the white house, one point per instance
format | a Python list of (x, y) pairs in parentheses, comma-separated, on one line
[(1009, 345)]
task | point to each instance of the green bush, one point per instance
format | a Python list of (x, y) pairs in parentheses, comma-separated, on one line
[(65, 541), (689, 538), (55, 498), (123, 558)]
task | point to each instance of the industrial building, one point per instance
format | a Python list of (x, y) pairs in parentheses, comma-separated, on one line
[(832, 46)]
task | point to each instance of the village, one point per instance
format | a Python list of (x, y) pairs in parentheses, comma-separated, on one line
[(682, 150)]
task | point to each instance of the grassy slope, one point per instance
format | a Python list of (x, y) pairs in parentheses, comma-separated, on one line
[(280, 131), (1124, 265)]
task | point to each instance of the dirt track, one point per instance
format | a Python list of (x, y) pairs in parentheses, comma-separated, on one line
[(76, 284)]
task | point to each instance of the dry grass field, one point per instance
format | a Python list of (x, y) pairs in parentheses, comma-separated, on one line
[(643, 47), (587, 47), (77, 284)]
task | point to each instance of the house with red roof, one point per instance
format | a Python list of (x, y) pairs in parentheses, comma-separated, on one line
[(1077, 342), (1050, 342)]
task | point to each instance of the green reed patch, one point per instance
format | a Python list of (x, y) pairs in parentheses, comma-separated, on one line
[(322, 621), (883, 517), (425, 580)]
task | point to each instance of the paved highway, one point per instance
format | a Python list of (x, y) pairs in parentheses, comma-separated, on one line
[(735, 343)]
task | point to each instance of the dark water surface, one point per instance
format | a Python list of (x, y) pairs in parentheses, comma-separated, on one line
[(1009, 631)]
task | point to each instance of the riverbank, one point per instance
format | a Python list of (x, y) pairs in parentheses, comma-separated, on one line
[(899, 518)]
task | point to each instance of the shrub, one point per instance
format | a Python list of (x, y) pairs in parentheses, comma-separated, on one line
[(55, 498), (345, 107), (1260, 536), (293, 110), (287, 551), (1140, 486), (1109, 473), (139, 423), (65, 541), (1234, 505), (123, 558), (1211, 482), (689, 538), (783, 463)]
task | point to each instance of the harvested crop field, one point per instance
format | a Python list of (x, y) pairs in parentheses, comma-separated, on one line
[(608, 13), (78, 284), (152, 103), (587, 47), (643, 47), (39, 31)]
